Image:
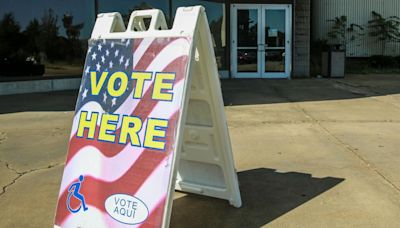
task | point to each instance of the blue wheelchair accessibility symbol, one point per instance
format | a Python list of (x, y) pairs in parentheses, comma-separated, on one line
[(74, 191)]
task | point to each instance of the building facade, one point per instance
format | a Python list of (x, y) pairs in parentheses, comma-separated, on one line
[(268, 39), (358, 12), (252, 38)]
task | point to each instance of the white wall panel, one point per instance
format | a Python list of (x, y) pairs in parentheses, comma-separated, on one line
[(359, 12)]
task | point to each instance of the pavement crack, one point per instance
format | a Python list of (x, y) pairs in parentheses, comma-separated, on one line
[(354, 89), (10, 168), (21, 174), (365, 161), (347, 147), (362, 90), (3, 137)]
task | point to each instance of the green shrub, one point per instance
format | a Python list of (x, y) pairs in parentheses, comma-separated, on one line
[(382, 61), (385, 30), (397, 58), (343, 32)]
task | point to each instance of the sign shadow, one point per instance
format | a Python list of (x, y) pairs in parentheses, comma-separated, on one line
[(266, 195)]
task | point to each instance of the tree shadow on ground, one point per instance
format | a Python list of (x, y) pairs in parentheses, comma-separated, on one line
[(236, 92), (266, 195), (262, 91)]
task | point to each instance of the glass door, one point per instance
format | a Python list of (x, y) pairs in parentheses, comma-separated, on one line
[(276, 41), (246, 37), (260, 41)]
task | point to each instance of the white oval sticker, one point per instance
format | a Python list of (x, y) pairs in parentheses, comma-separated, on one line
[(126, 209)]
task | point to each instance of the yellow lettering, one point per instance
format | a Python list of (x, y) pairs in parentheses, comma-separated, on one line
[(155, 128), (108, 123), (111, 84), (160, 86), (130, 127), (140, 78), (96, 86), (85, 123)]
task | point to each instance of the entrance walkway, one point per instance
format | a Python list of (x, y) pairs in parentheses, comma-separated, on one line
[(310, 153)]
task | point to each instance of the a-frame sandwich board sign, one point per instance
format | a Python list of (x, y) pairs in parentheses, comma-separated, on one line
[(149, 119)]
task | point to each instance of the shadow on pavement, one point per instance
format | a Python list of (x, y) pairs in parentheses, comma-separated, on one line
[(237, 92), (263, 91), (266, 195), (50, 101)]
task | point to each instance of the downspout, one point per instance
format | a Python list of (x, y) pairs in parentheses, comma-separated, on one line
[(170, 13), (228, 36), (293, 38), (96, 9)]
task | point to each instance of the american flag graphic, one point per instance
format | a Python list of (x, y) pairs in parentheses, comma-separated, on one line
[(112, 168)]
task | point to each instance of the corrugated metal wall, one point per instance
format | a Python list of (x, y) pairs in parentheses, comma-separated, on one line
[(359, 12)]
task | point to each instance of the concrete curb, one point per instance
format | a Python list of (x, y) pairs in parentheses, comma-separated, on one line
[(34, 86)]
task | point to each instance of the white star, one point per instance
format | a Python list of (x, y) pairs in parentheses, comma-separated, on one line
[(87, 70), (128, 42), (127, 63), (99, 47), (98, 67), (80, 88), (113, 101), (122, 40), (119, 83), (90, 49), (103, 60), (111, 64), (84, 94), (116, 53), (104, 41), (94, 56), (112, 44), (107, 52), (121, 60), (104, 97)]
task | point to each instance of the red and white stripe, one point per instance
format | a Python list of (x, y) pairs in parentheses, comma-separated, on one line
[(114, 168)]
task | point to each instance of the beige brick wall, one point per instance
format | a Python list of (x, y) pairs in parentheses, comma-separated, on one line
[(302, 26)]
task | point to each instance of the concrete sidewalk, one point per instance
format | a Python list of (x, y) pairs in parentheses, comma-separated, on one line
[(310, 153)]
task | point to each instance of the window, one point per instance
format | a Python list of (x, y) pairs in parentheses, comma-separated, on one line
[(52, 33)]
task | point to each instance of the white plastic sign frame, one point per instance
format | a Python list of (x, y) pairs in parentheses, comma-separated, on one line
[(202, 161)]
